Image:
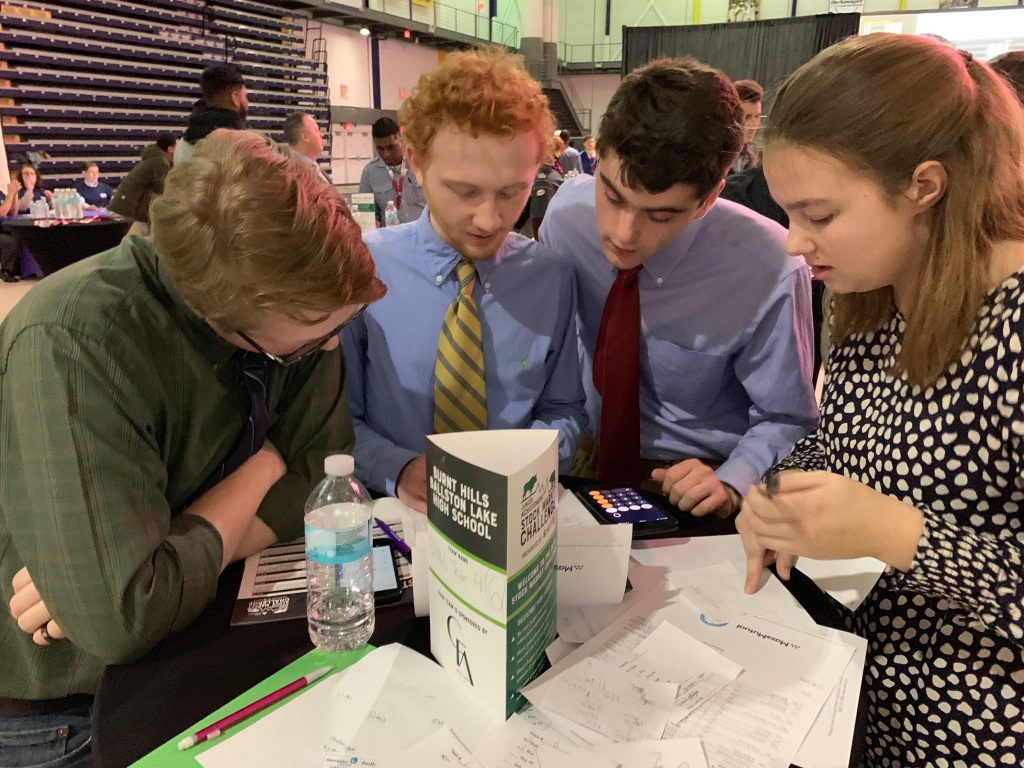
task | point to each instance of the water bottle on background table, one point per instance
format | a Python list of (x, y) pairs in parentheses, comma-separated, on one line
[(390, 214), (339, 559)]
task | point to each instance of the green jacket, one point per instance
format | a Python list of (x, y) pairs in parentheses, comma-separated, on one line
[(117, 406), (143, 182)]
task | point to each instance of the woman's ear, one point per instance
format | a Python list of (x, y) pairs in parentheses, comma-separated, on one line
[(927, 184)]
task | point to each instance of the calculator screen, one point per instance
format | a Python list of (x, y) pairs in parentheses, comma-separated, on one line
[(625, 505)]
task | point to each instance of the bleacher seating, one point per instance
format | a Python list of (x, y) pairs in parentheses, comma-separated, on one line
[(99, 79)]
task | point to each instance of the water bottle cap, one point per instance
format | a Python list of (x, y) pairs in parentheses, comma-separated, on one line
[(339, 465)]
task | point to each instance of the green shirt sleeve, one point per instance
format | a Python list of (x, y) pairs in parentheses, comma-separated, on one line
[(84, 495), (313, 422)]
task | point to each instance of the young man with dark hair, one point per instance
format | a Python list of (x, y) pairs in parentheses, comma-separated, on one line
[(144, 182), (695, 322), (389, 177), (224, 104), (478, 329), (1010, 66), (569, 158)]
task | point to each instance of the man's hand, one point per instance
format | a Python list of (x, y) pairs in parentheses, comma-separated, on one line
[(695, 488), (29, 610), (411, 486)]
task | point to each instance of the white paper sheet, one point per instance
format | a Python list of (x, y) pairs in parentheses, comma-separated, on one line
[(668, 653), (441, 748), (668, 753), (717, 590), (759, 720), (848, 581), (604, 698), (383, 704), (579, 624), (592, 562), (558, 650), (687, 554), (518, 744), (829, 742), (308, 720)]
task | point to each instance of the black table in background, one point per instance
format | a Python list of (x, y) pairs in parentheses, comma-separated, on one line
[(59, 243), (140, 706)]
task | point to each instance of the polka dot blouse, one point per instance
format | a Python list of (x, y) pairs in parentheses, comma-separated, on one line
[(945, 670)]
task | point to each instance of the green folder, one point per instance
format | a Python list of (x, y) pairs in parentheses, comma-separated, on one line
[(168, 755)]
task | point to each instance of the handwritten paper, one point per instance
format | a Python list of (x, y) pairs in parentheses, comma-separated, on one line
[(517, 743), (579, 624), (669, 654), (757, 721), (669, 753), (385, 703), (441, 748), (605, 699)]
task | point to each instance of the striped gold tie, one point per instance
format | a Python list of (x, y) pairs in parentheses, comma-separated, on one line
[(460, 394)]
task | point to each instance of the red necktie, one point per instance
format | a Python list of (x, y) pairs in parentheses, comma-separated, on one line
[(617, 380)]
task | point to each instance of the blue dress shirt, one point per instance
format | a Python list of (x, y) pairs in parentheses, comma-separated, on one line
[(726, 334), (527, 309)]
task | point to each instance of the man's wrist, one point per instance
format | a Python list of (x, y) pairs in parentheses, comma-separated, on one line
[(735, 500)]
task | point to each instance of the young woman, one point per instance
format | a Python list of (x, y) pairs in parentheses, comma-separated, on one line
[(31, 188), (906, 197)]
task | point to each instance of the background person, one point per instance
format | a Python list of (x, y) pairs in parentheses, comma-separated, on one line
[(389, 177), (95, 193)]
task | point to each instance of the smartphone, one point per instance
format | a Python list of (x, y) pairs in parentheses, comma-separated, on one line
[(386, 588), (650, 515)]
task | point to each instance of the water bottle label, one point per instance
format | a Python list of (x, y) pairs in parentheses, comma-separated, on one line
[(331, 547)]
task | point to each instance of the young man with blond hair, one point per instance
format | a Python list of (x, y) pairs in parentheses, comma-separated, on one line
[(478, 329), (165, 408)]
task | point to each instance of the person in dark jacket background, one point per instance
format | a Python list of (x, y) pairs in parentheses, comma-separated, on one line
[(144, 182), (225, 104)]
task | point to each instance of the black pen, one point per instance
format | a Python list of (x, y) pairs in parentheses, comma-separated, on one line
[(400, 545)]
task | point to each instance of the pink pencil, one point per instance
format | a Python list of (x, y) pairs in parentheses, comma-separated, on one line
[(215, 730)]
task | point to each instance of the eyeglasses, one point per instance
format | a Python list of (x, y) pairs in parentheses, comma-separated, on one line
[(306, 349)]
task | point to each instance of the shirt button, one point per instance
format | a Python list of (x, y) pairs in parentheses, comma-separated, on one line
[(660, 280), (487, 286), (438, 278)]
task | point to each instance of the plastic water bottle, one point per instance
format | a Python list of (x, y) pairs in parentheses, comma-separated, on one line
[(390, 214), (339, 560)]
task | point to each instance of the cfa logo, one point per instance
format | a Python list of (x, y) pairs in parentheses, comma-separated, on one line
[(461, 656)]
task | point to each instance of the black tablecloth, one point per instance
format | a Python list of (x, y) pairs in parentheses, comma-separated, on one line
[(140, 706), (59, 244)]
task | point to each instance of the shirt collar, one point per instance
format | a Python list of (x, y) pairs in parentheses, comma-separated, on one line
[(441, 258), (661, 264)]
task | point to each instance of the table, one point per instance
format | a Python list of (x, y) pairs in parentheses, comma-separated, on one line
[(63, 242), (140, 706)]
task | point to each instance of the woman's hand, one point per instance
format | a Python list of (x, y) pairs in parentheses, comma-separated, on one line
[(826, 517)]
